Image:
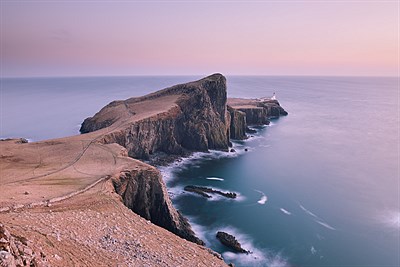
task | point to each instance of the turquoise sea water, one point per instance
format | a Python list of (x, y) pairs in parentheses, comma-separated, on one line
[(319, 187)]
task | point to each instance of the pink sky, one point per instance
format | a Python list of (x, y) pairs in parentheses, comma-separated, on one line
[(79, 38)]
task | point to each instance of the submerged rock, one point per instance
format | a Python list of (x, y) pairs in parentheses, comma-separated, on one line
[(204, 190), (231, 242), (251, 131)]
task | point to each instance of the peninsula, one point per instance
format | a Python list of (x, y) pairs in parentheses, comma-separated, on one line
[(90, 200)]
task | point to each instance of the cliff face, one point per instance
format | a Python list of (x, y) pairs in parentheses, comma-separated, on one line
[(246, 112), (196, 121), (273, 108), (183, 118), (143, 191), (255, 115), (179, 119), (238, 124)]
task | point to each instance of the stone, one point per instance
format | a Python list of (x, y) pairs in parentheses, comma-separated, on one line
[(6, 259), (251, 131), (204, 190), (231, 242), (198, 122), (237, 124)]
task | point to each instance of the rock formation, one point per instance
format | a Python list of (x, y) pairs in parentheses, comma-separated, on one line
[(197, 120), (201, 190), (143, 191), (90, 171), (231, 242), (245, 112), (176, 120), (238, 124), (18, 251)]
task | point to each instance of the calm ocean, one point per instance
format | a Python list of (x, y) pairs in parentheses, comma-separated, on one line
[(319, 187)]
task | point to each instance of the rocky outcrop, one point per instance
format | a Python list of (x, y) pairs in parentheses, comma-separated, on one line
[(143, 191), (176, 120), (201, 190), (18, 251), (197, 120), (237, 124), (257, 112), (274, 109), (231, 242), (255, 115)]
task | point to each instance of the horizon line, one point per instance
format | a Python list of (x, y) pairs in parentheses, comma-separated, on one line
[(200, 75)]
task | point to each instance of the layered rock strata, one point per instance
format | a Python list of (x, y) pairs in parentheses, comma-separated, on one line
[(197, 120), (143, 191), (39, 177), (245, 112)]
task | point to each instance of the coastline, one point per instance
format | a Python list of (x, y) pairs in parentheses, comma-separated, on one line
[(125, 176)]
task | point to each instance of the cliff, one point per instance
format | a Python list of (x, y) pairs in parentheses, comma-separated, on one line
[(63, 202), (143, 191), (36, 177), (238, 123), (196, 120), (176, 120), (245, 112), (74, 195)]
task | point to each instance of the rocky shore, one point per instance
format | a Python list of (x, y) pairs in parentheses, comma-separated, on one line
[(88, 200)]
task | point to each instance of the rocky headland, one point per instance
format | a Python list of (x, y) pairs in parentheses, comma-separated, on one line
[(246, 112), (89, 200)]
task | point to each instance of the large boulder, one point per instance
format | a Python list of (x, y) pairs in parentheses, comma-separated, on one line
[(231, 242)]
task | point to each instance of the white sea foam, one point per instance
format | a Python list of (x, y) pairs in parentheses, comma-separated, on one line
[(285, 211), (215, 178), (263, 198), (264, 145), (324, 224), (309, 212), (317, 219), (313, 250), (257, 257), (391, 219)]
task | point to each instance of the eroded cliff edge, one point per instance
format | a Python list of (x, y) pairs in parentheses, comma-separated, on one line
[(74, 191), (196, 121), (176, 120)]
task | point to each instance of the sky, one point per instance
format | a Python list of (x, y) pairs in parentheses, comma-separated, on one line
[(106, 38)]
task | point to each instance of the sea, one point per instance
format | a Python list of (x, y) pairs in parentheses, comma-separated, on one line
[(319, 187)]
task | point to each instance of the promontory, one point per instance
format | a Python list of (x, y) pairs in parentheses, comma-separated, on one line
[(90, 200)]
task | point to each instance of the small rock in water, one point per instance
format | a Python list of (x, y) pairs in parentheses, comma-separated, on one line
[(232, 150), (231, 242), (246, 149)]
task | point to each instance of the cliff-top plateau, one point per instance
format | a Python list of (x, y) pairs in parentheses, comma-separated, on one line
[(89, 200)]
